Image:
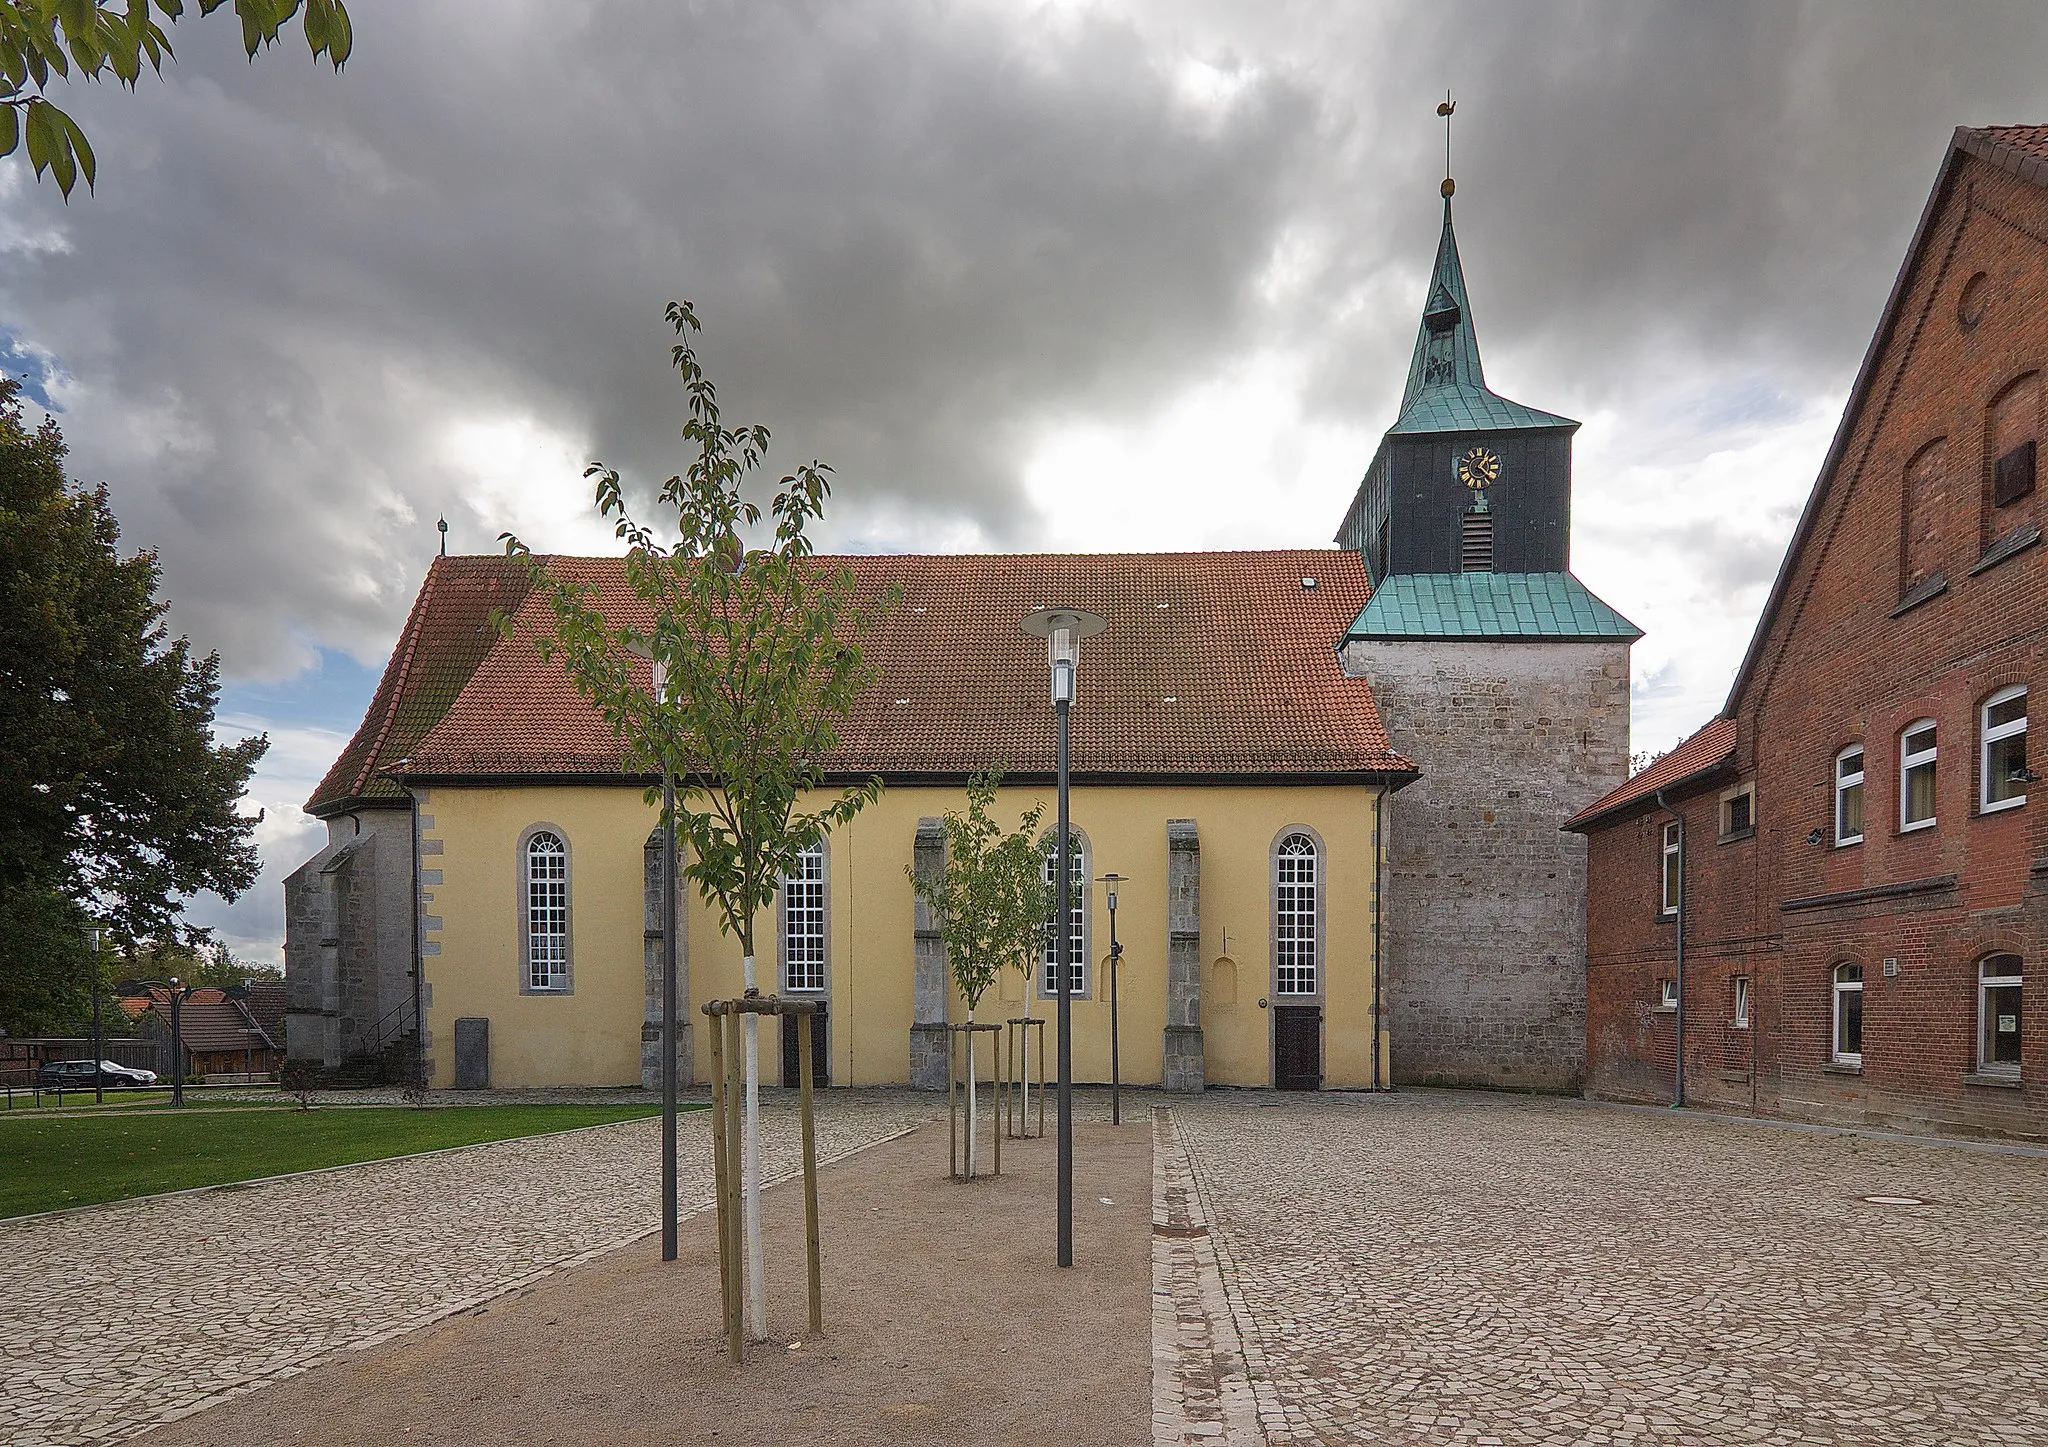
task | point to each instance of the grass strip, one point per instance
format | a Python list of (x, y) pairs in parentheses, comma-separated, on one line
[(49, 1163)]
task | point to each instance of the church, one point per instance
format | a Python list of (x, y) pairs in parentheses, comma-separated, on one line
[(1331, 779)]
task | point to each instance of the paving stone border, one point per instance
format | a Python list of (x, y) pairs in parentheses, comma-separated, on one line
[(1200, 1391)]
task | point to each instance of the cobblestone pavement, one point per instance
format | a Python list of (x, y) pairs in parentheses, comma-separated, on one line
[(119, 1318), (1446, 1268)]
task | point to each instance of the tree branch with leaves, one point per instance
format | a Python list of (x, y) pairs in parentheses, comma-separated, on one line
[(760, 649), (988, 904), (88, 39)]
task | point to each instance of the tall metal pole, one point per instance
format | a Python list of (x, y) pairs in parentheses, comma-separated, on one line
[(668, 1015), (1116, 1099), (177, 1042), (1065, 959), (99, 1047)]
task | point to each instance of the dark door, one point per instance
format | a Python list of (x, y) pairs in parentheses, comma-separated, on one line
[(1298, 1047), (821, 1059)]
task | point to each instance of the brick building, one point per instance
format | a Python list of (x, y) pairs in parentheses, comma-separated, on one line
[(1835, 893)]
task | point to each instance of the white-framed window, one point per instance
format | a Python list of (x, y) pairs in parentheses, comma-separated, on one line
[(803, 923), (1848, 1015), (1916, 776), (2002, 767), (1998, 1015), (1849, 795), (1077, 917), (1673, 864), (1297, 902), (547, 911), (1740, 1019), (1667, 994)]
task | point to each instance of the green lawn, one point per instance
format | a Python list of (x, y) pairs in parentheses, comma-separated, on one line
[(47, 1163)]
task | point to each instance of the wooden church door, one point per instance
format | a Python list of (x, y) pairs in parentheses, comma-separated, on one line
[(1298, 1047)]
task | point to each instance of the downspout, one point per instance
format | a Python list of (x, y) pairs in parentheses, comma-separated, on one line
[(419, 1015), (1379, 909), (1678, 1054)]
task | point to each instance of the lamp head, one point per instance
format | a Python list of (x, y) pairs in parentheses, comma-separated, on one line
[(1814, 837), (1113, 880), (1063, 629)]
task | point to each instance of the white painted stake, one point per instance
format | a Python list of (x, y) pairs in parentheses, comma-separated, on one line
[(750, 1175)]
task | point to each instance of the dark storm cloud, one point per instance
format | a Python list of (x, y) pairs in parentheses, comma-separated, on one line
[(912, 234), (921, 235)]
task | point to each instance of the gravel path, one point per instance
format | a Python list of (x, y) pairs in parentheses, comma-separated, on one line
[(122, 1317)]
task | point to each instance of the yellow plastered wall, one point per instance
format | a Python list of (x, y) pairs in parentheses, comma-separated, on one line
[(592, 1034)]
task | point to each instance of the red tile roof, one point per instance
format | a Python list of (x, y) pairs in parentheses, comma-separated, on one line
[(1213, 664), (2023, 150), (1704, 752), (448, 633)]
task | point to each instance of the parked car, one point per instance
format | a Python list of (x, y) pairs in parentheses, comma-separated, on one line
[(78, 1074)]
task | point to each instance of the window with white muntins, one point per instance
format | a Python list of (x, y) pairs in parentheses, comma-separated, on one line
[(2002, 769), (803, 923), (1077, 918), (1848, 1015), (1916, 776), (1998, 1015), (547, 912), (1849, 795), (1297, 890)]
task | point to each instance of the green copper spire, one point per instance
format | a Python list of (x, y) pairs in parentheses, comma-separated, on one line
[(1446, 386)]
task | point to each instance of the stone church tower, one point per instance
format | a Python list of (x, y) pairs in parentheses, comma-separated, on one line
[(1507, 682)]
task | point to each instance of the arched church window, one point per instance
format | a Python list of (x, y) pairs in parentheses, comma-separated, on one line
[(544, 920), (1297, 915)]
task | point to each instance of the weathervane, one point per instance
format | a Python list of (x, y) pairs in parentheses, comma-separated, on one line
[(443, 526), (1445, 108)]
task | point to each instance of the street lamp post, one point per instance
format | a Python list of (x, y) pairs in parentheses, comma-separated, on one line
[(178, 991), (99, 1048), (668, 975), (1063, 629), (1116, 954)]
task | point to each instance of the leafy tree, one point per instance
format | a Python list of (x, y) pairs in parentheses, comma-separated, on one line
[(989, 903), (89, 38), (114, 799), (759, 648)]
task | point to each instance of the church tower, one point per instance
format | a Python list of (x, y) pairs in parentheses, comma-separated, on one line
[(1505, 681)]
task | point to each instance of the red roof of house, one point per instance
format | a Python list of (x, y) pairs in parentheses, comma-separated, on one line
[(1704, 752), (1213, 664), (446, 636)]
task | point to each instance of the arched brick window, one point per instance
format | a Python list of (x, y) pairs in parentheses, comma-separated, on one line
[(1929, 509), (2014, 425)]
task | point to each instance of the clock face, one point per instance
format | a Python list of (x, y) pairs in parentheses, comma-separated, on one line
[(1479, 469)]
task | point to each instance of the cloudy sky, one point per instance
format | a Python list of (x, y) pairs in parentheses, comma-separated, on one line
[(1028, 275)]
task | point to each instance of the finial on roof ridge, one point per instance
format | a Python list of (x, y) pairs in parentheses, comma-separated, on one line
[(1447, 108)]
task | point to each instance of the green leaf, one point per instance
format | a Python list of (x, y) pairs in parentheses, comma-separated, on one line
[(10, 129), (81, 146)]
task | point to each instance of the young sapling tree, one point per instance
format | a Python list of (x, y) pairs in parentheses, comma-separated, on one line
[(759, 648), (989, 905)]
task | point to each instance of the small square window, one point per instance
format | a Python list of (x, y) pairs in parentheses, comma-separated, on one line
[(1738, 811), (1667, 994)]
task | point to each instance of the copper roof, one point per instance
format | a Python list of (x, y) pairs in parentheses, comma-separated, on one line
[(1703, 753), (1218, 663)]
